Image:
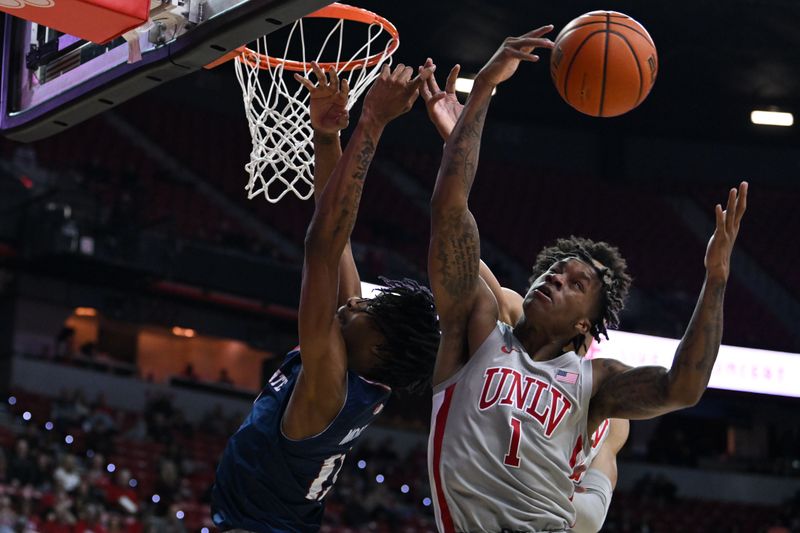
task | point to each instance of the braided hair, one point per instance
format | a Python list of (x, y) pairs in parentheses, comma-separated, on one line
[(614, 277), (404, 313)]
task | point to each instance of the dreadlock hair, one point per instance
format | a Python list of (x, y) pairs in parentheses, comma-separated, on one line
[(404, 313), (616, 281)]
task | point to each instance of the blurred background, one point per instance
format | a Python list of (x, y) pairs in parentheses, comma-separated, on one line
[(144, 301)]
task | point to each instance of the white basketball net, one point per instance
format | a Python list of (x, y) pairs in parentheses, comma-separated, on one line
[(281, 158)]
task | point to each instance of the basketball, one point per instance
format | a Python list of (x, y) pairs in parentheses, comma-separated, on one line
[(604, 63)]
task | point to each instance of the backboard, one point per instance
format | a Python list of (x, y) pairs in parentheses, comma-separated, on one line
[(52, 81)]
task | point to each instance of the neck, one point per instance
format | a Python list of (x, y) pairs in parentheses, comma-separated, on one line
[(538, 345)]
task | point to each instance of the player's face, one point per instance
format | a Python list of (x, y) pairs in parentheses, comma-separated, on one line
[(359, 333), (562, 300)]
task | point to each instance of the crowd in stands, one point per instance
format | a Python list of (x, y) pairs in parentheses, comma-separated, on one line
[(68, 465)]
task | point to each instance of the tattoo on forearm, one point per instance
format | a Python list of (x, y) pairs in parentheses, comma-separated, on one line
[(351, 199), (458, 253), (463, 159), (347, 217), (363, 159), (700, 345)]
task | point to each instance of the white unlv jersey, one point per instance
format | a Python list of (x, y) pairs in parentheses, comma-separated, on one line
[(505, 438)]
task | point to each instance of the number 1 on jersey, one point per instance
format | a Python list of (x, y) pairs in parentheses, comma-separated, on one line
[(512, 457), (326, 477)]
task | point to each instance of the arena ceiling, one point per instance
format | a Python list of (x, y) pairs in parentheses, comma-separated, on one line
[(718, 60)]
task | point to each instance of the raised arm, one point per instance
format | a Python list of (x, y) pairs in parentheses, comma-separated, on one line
[(321, 386), (444, 109), (467, 309), (329, 116), (647, 392)]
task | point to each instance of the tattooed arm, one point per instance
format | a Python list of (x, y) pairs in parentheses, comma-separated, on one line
[(647, 392), (467, 309), (321, 386), (329, 115)]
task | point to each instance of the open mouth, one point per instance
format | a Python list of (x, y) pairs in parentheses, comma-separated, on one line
[(543, 293)]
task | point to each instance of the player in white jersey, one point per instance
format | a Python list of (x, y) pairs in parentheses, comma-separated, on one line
[(510, 408), (595, 472)]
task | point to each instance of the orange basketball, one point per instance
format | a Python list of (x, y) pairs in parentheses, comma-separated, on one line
[(604, 63)]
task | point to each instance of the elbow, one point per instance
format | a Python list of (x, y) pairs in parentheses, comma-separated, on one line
[(446, 196), (693, 399), (442, 203), (683, 397), (685, 402)]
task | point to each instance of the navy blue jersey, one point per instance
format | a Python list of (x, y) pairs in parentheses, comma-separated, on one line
[(267, 482)]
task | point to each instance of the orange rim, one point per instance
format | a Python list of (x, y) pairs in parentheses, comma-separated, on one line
[(333, 11)]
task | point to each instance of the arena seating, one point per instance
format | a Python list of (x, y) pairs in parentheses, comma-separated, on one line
[(377, 490)]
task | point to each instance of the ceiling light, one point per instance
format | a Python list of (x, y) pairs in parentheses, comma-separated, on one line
[(464, 85), (772, 118), (183, 332)]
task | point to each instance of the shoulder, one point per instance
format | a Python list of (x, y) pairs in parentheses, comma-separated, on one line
[(604, 368)]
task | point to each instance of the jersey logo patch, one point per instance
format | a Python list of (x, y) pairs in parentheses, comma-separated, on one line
[(566, 377)]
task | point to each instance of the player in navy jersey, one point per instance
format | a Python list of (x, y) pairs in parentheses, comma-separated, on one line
[(281, 463)]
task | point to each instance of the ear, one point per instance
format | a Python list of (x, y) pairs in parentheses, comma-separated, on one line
[(583, 326)]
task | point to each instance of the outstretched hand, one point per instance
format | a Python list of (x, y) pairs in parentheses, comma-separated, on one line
[(505, 61), (718, 253), (394, 92), (328, 100), (443, 106)]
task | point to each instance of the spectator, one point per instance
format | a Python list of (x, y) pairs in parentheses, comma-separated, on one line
[(70, 409), (88, 350), (214, 421), (67, 474), (21, 468), (167, 486), (120, 495), (8, 518), (89, 521), (65, 343), (224, 378), (189, 373), (3, 467), (43, 479), (97, 474), (58, 521)]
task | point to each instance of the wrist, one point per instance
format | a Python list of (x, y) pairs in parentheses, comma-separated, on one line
[(482, 82), (372, 121), (326, 137)]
